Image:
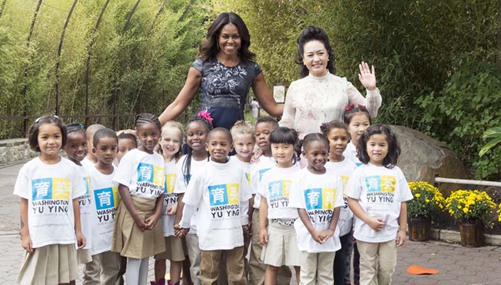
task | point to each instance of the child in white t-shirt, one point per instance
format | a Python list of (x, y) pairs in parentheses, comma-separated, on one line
[(316, 192), (222, 194), (169, 147), (105, 267), (49, 187), (377, 194), (90, 159), (196, 131), (138, 231), (358, 119), (76, 149), (276, 218), (263, 128), (243, 142), (338, 136)]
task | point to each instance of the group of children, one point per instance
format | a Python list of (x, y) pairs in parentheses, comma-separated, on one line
[(115, 203)]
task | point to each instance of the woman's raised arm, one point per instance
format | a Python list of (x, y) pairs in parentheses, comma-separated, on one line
[(265, 97)]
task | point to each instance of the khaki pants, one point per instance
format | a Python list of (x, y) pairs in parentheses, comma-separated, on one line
[(256, 265), (103, 269), (194, 256), (316, 268), (210, 266), (383, 254)]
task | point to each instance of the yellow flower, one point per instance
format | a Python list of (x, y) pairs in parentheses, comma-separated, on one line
[(418, 195)]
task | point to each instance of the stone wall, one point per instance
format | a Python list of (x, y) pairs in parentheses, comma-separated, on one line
[(15, 150)]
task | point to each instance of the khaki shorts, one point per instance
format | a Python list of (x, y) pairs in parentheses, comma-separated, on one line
[(174, 249), (282, 246)]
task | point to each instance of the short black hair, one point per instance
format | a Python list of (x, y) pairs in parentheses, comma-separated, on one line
[(309, 138), (221, 130), (267, 119), (103, 133), (286, 136), (35, 128), (393, 147), (127, 136)]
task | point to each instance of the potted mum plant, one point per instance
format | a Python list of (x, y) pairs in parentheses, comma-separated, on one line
[(472, 209), (427, 202)]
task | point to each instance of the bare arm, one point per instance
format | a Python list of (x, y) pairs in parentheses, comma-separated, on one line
[(263, 220), (303, 215), (184, 97), (402, 221), (25, 233), (127, 200), (78, 228), (265, 97)]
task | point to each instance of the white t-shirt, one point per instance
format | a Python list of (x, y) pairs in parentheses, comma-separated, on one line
[(380, 192), (86, 208), (344, 170), (142, 172), (105, 199), (222, 194), (350, 153), (170, 198), (87, 163), (50, 190), (246, 166), (318, 194), (181, 185), (257, 171), (275, 188)]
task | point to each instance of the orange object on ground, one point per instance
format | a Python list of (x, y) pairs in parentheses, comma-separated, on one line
[(419, 270)]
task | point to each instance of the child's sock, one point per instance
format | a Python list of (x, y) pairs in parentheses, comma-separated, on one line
[(143, 271), (132, 271)]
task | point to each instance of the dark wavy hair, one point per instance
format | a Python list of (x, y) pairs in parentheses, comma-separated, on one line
[(209, 47), (393, 147), (147, 118), (325, 128), (35, 128), (311, 34)]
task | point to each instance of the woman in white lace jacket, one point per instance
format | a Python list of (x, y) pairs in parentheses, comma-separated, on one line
[(320, 96)]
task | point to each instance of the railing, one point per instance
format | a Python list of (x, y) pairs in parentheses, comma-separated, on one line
[(467, 182)]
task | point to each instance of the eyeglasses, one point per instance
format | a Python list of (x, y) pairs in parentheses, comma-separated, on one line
[(48, 117)]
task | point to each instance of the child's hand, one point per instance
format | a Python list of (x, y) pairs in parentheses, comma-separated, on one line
[(325, 235), (180, 232), (246, 230), (263, 237), (376, 223), (27, 244), (152, 221), (81, 241), (140, 222), (401, 235), (172, 210), (317, 236), (256, 156)]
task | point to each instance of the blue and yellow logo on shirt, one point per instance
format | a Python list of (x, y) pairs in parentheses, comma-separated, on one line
[(279, 188), (170, 183), (380, 183), (51, 189), (150, 173), (248, 178), (320, 198), (106, 198), (224, 194)]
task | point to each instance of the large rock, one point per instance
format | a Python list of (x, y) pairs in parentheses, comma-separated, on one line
[(423, 158)]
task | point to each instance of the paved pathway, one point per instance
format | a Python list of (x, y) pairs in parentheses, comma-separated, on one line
[(457, 265)]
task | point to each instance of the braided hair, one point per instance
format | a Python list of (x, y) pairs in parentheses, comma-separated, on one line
[(186, 166)]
